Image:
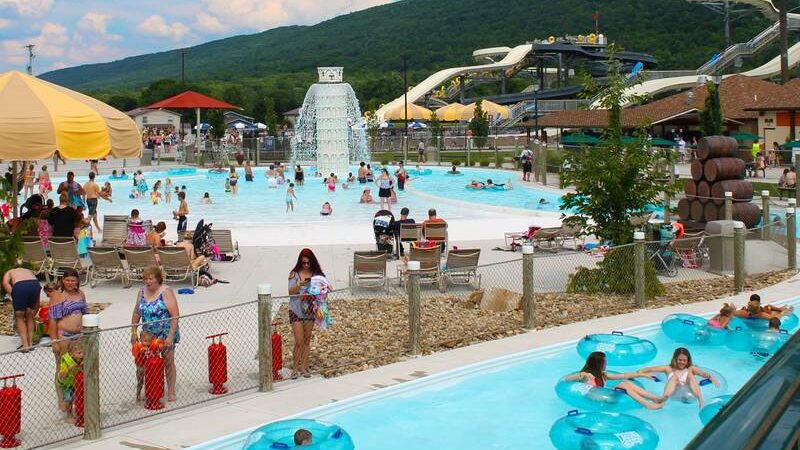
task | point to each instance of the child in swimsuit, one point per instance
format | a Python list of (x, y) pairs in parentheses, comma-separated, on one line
[(327, 210), (724, 317), (144, 352), (71, 363), (290, 197), (594, 374), (136, 234), (682, 376), (45, 186)]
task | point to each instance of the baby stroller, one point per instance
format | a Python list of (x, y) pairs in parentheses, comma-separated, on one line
[(662, 255), (383, 226), (202, 241)]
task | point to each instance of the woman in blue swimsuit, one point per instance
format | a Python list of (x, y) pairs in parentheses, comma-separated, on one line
[(157, 308)]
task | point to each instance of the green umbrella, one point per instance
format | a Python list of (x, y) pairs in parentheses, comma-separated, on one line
[(579, 138), (793, 144), (660, 142), (745, 137)]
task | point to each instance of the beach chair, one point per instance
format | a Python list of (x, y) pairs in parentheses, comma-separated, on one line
[(573, 233), (226, 245), (176, 265), (107, 265), (409, 232), (369, 270), (516, 239), (64, 255), (548, 238), (33, 253), (137, 259), (436, 232), (461, 267), (429, 262), (115, 230)]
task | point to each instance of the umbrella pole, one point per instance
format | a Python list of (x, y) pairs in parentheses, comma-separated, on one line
[(14, 191), (197, 142)]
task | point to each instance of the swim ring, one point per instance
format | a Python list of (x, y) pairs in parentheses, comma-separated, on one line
[(692, 329), (713, 407), (118, 177), (217, 174), (585, 396), (451, 174), (280, 435), (788, 322), (602, 430), (182, 171), (420, 172), (620, 350), (758, 342), (684, 395)]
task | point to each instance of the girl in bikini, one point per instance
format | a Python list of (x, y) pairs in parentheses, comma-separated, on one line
[(45, 187), (594, 374), (724, 317), (682, 375)]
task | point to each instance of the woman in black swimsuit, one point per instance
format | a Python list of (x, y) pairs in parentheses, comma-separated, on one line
[(298, 175)]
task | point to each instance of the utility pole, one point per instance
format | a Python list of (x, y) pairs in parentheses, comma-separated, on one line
[(30, 58), (405, 107), (783, 7)]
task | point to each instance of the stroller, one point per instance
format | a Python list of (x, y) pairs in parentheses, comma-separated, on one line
[(202, 241), (383, 226), (662, 254)]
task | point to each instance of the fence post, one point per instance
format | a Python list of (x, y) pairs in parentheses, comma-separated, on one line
[(528, 321), (467, 150), (791, 237), (738, 256), (537, 154), (414, 309), (264, 337), (543, 150), (638, 265), (728, 205), (765, 215), (91, 376), (796, 168)]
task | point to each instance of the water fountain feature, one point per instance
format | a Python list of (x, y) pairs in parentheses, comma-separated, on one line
[(329, 131)]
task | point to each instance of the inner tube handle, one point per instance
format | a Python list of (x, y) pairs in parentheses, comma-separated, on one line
[(782, 331), (337, 434), (573, 412), (583, 431), (617, 333), (688, 321), (705, 382), (619, 389), (279, 445)]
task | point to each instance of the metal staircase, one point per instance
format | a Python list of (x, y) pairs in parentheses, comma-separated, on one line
[(738, 50)]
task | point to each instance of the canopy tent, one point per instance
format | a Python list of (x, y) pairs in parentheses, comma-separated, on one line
[(745, 137), (417, 125), (38, 118), (579, 139), (415, 112), (192, 100), (793, 144), (450, 113), (491, 109)]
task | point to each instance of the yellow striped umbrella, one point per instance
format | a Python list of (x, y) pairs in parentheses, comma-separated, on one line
[(37, 118), (450, 113), (492, 110), (414, 113)]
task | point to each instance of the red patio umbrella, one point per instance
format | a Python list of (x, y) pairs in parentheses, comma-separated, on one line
[(189, 100)]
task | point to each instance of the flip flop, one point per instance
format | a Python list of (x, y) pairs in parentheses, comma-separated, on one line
[(306, 375), (294, 375)]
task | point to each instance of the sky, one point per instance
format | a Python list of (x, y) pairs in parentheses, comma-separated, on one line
[(73, 32)]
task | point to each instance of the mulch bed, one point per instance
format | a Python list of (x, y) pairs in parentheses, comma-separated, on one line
[(7, 316)]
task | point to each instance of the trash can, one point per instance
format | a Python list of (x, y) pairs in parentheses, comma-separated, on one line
[(720, 246), (147, 157)]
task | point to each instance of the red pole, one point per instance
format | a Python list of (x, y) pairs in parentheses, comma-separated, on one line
[(78, 402), (217, 364), (10, 412)]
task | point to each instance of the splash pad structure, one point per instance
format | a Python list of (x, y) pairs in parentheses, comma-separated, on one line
[(329, 133)]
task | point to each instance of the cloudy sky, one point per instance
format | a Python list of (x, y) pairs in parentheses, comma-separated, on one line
[(73, 32)]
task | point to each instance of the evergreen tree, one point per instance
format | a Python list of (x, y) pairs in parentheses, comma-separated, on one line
[(711, 114), (270, 116), (479, 125), (373, 129), (435, 127)]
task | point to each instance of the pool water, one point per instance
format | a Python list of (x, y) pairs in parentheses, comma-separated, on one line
[(257, 205), (512, 405)]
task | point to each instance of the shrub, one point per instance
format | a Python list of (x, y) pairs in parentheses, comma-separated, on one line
[(201, 160), (385, 161), (615, 275), (456, 162), (484, 162)]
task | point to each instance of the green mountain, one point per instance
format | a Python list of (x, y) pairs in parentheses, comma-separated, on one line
[(434, 33)]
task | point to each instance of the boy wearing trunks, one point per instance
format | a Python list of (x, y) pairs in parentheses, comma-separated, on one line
[(23, 287)]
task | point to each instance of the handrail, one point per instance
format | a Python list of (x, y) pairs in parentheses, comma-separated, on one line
[(750, 47), (765, 413)]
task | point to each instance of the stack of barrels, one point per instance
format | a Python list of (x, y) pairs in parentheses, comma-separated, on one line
[(715, 171)]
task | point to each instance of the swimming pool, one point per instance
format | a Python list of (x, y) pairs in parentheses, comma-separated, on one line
[(506, 403)]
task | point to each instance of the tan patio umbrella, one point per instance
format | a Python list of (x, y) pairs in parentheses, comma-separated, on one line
[(37, 118), (450, 113), (415, 112), (492, 110)]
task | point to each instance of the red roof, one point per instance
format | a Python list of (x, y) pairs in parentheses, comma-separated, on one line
[(191, 99)]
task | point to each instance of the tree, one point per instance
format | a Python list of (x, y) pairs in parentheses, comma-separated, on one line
[(479, 125), (373, 129), (270, 116), (613, 181), (711, 114), (123, 102), (435, 126), (159, 90)]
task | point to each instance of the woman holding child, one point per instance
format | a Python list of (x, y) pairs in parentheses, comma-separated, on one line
[(157, 308)]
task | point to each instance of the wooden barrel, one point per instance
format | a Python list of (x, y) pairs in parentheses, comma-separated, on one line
[(684, 208), (703, 191), (719, 169), (697, 170), (690, 187), (749, 213), (742, 191), (696, 212), (716, 147), (712, 211)]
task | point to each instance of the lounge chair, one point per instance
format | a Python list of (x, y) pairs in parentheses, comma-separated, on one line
[(548, 238), (409, 232), (572, 233), (225, 243), (138, 259), (436, 232), (516, 239), (461, 267), (64, 255), (176, 265), (107, 265), (33, 254), (115, 230), (429, 262), (369, 270)]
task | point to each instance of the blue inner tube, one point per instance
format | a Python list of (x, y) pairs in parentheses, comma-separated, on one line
[(713, 407), (118, 177), (607, 398), (420, 172), (620, 350), (182, 171), (280, 435), (788, 322), (684, 395), (602, 430), (757, 342), (454, 174), (692, 330)]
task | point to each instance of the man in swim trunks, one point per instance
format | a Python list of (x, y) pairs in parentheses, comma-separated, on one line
[(24, 289), (362, 172), (92, 191)]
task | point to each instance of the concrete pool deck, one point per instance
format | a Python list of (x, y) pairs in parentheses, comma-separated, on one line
[(196, 425)]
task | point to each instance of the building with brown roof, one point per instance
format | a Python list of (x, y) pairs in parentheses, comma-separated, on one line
[(779, 113)]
